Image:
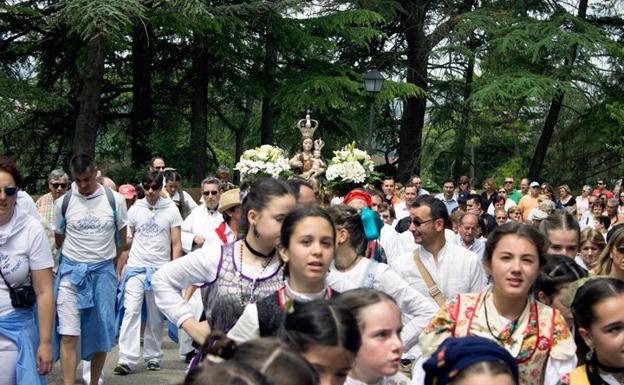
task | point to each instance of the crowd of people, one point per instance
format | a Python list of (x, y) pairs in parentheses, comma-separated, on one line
[(269, 284)]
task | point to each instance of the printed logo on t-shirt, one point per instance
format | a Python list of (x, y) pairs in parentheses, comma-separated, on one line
[(149, 228), (89, 224), (9, 265)]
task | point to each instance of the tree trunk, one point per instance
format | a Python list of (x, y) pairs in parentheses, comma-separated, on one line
[(553, 112), (199, 109), (413, 120), (241, 132), (268, 71), (460, 139), (142, 55), (89, 97)]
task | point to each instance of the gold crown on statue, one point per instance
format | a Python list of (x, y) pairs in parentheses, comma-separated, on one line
[(307, 127), (319, 144)]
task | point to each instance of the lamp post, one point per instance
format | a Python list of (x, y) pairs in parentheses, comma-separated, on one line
[(373, 81)]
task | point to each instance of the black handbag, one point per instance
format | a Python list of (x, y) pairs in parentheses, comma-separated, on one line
[(21, 297)]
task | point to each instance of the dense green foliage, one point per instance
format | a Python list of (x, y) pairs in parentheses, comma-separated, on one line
[(207, 78)]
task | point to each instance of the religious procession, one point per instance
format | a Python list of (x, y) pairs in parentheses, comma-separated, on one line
[(311, 272)]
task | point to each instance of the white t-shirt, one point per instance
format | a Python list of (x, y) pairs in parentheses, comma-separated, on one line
[(25, 250), (89, 231), (151, 229)]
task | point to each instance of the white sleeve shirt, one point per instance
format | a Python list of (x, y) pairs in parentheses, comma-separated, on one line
[(458, 270), (199, 222)]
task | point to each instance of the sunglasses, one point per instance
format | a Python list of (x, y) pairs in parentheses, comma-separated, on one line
[(463, 182), (210, 192), (159, 168), (154, 187), (385, 216), (417, 222), (501, 218), (57, 185), (508, 181), (9, 191)]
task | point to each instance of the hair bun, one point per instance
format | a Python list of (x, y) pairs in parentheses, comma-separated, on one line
[(219, 345)]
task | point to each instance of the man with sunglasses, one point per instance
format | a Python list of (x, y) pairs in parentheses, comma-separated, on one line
[(452, 269), (204, 218), (601, 189), (155, 224), (513, 194), (58, 181)]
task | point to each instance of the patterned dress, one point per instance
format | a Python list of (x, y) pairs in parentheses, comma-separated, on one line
[(225, 297), (538, 335)]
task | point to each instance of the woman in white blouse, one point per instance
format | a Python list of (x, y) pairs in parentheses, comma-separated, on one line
[(307, 248), (234, 274)]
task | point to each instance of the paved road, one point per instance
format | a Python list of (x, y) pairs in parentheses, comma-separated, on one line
[(172, 371)]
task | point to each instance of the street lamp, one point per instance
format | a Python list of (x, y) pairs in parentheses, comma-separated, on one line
[(373, 81)]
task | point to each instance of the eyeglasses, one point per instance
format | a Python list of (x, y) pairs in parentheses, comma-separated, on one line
[(154, 187), (463, 183), (508, 181), (57, 185), (210, 192), (501, 218), (417, 222), (9, 191)]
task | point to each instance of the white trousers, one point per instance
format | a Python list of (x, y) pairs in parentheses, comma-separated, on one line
[(8, 359), (130, 334), (185, 342)]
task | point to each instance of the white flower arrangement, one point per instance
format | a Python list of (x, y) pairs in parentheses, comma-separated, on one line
[(349, 167), (261, 161)]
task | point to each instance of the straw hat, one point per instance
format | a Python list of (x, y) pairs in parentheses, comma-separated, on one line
[(229, 199)]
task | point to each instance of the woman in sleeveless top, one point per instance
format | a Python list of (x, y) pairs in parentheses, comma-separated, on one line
[(534, 333), (307, 247), (233, 275)]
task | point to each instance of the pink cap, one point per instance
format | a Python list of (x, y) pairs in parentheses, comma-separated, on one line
[(127, 190)]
